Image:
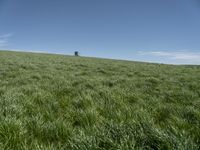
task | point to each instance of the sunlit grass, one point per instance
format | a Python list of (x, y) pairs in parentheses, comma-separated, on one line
[(65, 102)]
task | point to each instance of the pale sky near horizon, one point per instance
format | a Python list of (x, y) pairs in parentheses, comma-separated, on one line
[(164, 31)]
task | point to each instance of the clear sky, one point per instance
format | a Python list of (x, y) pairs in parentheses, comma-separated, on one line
[(165, 31)]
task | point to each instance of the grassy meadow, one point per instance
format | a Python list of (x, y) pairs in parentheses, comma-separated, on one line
[(62, 102)]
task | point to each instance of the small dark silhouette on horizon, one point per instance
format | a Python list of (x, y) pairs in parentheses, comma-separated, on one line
[(76, 53)]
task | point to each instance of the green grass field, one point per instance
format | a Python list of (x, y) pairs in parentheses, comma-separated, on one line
[(78, 103)]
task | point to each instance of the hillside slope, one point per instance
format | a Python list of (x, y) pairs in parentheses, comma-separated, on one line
[(65, 102)]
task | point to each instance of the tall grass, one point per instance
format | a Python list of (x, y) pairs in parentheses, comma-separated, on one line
[(62, 102)]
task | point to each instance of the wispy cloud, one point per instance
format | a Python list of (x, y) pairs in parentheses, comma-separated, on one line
[(175, 56), (4, 39)]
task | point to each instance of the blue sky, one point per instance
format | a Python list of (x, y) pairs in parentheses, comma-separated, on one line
[(165, 31)]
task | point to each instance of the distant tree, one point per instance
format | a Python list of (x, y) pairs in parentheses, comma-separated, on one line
[(76, 53)]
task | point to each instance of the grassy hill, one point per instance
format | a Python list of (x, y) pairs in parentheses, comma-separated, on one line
[(65, 102)]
